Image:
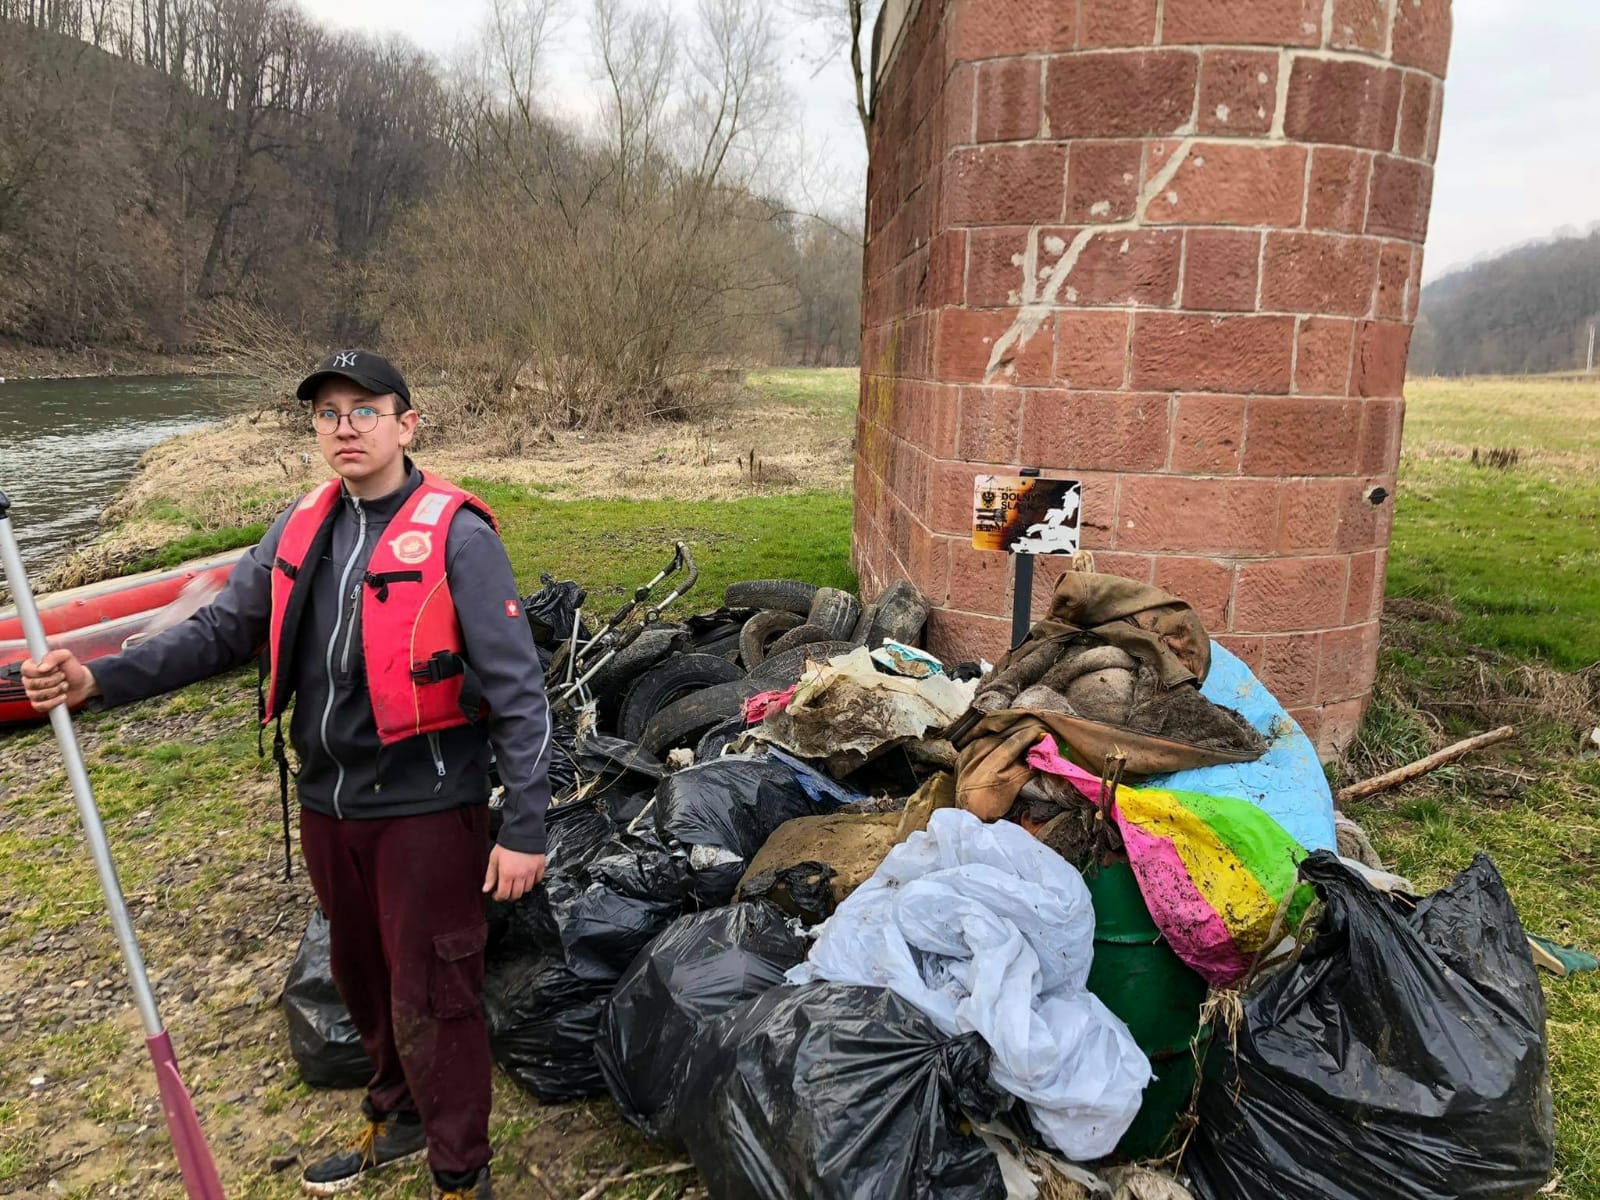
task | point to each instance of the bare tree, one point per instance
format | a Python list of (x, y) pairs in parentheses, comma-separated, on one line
[(845, 23), (614, 264), (171, 167)]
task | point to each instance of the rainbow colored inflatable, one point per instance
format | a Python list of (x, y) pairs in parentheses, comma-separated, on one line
[(1214, 870)]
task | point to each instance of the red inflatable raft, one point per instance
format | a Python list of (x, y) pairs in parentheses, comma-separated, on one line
[(102, 618)]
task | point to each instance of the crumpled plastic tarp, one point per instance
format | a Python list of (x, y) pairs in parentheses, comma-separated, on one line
[(987, 930), (758, 706), (1286, 782), (846, 712)]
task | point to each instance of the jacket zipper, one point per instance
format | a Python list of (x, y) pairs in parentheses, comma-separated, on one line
[(333, 646), (344, 658), (438, 760)]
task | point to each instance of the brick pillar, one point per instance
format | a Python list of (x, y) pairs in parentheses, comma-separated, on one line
[(1173, 247)]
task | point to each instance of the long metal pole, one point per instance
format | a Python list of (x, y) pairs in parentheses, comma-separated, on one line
[(194, 1157)]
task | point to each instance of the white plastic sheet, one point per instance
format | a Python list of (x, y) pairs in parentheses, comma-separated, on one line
[(987, 930)]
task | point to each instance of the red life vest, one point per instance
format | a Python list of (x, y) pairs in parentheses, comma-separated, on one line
[(410, 634)]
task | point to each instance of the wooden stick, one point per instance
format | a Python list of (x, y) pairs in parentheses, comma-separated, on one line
[(1389, 779), (617, 1177)]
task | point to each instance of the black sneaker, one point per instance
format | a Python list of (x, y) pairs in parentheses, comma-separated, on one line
[(476, 1188), (394, 1139)]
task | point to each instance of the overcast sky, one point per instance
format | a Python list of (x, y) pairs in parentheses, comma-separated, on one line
[(1519, 155)]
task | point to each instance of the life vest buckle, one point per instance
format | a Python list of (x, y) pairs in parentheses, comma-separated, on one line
[(443, 665), (379, 581)]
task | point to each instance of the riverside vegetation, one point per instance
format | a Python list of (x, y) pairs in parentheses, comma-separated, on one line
[(1493, 616)]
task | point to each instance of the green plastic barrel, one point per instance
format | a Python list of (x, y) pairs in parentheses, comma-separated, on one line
[(1138, 977)]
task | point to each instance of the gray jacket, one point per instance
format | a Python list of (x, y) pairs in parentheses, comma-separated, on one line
[(343, 771)]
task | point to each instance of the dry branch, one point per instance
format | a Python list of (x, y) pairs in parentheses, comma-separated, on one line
[(617, 1177), (1394, 778)]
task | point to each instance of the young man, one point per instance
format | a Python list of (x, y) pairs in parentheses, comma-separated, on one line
[(389, 612)]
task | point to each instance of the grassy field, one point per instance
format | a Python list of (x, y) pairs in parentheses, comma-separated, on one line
[(1492, 617)]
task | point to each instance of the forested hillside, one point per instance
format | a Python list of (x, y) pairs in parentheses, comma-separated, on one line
[(1525, 311), (183, 173)]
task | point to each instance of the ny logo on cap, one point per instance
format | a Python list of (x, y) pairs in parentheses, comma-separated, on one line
[(345, 358)]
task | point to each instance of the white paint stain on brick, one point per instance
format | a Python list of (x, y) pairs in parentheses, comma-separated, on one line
[(1222, 113), (1281, 105), (1042, 289), (1100, 208)]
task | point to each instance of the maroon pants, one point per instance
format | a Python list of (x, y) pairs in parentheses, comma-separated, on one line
[(406, 925)]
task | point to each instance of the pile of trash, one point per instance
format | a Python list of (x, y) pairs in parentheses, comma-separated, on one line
[(837, 918)]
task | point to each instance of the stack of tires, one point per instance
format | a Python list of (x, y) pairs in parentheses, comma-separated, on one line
[(684, 685)]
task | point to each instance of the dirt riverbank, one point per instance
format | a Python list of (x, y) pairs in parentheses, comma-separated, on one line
[(761, 438)]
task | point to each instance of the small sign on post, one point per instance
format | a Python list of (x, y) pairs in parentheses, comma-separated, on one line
[(1023, 515)]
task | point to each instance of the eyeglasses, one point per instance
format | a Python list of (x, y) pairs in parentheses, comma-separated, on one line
[(363, 419)]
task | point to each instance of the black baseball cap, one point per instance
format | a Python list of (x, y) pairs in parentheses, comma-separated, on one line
[(362, 367)]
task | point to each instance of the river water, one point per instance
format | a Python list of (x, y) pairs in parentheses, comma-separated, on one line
[(68, 445)]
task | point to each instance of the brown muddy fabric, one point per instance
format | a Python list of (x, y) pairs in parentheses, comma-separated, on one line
[(1115, 669), (810, 864), (1133, 615)]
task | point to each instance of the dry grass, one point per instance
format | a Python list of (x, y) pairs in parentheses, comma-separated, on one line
[(1553, 420)]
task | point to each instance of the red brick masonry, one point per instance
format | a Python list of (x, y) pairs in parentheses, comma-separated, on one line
[(1173, 247)]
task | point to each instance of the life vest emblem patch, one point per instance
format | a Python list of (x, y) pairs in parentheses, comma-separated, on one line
[(412, 546)]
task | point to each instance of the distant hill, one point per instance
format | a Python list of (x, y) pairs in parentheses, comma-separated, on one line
[(1524, 311)]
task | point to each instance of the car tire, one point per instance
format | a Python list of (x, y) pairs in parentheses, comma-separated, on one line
[(778, 671), (836, 611), (790, 595), (762, 630), (684, 722), (668, 682)]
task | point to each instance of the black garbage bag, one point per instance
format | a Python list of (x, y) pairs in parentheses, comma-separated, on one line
[(614, 771), (631, 891), (701, 966), (706, 628), (552, 611), (1402, 1058), (563, 769), (322, 1037), (722, 811), (803, 889), (575, 833), (832, 1092), (543, 1020), (598, 907)]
